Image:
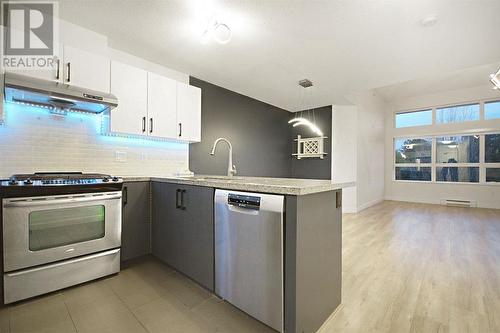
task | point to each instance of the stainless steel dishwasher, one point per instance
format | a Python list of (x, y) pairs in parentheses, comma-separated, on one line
[(249, 253)]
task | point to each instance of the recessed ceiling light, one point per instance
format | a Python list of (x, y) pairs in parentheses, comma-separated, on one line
[(428, 21), (220, 32)]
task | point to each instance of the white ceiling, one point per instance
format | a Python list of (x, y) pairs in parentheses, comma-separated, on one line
[(342, 46), (439, 82)]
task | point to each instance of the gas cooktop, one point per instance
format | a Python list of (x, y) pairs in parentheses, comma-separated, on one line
[(59, 179)]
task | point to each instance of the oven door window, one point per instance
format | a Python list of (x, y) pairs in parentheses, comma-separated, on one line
[(59, 227)]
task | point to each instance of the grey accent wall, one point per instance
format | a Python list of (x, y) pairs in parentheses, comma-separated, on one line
[(258, 131), (261, 136), (313, 168)]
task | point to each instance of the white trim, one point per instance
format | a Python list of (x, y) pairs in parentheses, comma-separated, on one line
[(369, 204), (438, 106), (447, 183), (349, 209), (431, 202)]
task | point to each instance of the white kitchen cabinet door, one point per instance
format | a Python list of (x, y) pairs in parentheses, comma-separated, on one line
[(86, 70), (188, 112), (130, 85), (54, 74), (162, 106)]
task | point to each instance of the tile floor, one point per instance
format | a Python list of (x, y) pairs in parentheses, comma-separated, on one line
[(146, 296)]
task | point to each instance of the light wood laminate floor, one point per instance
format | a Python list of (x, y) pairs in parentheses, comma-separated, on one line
[(406, 268), (420, 268)]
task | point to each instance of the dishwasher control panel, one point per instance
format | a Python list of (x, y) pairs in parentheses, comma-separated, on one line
[(243, 201)]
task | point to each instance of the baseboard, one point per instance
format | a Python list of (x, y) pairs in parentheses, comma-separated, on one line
[(434, 202), (349, 209), (369, 204)]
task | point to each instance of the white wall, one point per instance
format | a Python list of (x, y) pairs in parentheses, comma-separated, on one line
[(486, 195), (358, 149), (344, 152), (371, 148)]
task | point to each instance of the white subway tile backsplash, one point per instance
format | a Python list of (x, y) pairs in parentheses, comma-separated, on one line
[(32, 139)]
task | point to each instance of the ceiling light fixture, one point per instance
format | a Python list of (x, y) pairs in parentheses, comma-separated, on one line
[(305, 122), (495, 79), (220, 32), (428, 21)]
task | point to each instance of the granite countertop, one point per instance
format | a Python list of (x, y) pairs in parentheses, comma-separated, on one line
[(288, 186)]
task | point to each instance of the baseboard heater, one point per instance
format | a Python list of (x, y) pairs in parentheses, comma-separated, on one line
[(458, 203)]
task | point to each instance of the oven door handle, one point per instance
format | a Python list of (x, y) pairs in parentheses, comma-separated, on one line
[(64, 200)]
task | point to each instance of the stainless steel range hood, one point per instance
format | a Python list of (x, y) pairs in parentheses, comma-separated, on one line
[(56, 96)]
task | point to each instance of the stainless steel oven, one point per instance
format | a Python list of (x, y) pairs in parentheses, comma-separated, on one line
[(59, 229), (40, 230)]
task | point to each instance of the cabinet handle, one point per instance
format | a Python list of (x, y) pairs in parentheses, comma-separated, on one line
[(338, 199), (58, 63), (68, 66), (150, 125), (180, 129), (125, 195), (143, 124), (183, 207), (177, 201)]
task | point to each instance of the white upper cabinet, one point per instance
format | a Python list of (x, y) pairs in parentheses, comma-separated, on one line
[(130, 85), (162, 106), (188, 112), (54, 74), (86, 70)]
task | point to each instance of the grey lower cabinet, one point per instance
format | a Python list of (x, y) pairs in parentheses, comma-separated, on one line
[(136, 222), (183, 229)]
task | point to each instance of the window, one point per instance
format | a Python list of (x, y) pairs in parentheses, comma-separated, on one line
[(417, 150), (413, 157), (493, 174), (416, 118), (456, 114), (456, 158), (492, 110), (457, 149), (439, 155), (457, 174), (492, 148), (413, 173), (492, 157)]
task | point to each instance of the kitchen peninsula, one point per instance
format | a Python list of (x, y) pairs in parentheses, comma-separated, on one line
[(312, 236)]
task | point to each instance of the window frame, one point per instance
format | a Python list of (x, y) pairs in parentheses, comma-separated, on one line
[(434, 124), (436, 108), (415, 111), (483, 109), (482, 165)]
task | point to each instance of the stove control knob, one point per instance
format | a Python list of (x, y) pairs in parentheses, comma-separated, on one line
[(13, 182), (28, 182), (105, 179), (115, 179)]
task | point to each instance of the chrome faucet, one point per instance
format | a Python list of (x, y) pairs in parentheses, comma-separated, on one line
[(231, 168)]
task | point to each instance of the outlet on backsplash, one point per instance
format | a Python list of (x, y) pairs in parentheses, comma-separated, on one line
[(120, 156)]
